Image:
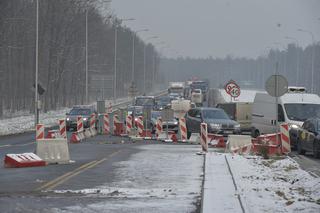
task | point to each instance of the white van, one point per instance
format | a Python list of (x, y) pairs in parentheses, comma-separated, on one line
[(294, 108)]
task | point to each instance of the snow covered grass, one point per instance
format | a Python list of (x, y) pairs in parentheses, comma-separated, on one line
[(160, 178), (25, 122), (275, 185)]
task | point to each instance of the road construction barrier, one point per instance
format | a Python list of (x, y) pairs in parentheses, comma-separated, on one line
[(118, 127), (129, 124), (204, 137), (62, 128), (23, 160), (79, 124), (92, 128), (285, 138), (140, 126), (216, 140), (183, 129), (172, 136), (194, 138), (75, 138), (53, 150), (53, 134), (159, 129), (106, 123), (235, 143), (109, 110), (39, 132)]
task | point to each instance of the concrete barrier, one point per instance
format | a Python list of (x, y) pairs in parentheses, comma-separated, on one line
[(53, 150)]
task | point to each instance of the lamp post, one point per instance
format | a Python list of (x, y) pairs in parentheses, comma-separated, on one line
[(37, 65), (115, 57), (298, 57), (133, 46), (144, 62), (312, 57)]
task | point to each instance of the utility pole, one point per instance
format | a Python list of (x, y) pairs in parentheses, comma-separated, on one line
[(37, 66)]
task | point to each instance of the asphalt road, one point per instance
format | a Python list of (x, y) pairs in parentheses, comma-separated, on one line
[(34, 189)]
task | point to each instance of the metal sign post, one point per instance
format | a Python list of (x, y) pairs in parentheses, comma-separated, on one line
[(232, 89)]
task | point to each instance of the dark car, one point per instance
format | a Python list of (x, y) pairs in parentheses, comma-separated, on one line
[(148, 102), (309, 137), (172, 124), (135, 111), (163, 102), (84, 111), (218, 121)]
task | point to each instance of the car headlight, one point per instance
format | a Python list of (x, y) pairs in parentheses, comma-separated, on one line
[(84, 119), (237, 126), (68, 119), (293, 126), (175, 123), (215, 126)]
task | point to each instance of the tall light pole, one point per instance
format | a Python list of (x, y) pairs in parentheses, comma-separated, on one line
[(312, 57), (115, 57), (133, 43), (86, 100), (37, 65), (154, 62), (144, 62), (298, 57)]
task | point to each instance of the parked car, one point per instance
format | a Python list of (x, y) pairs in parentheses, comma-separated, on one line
[(80, 110), (309, 137), (218, 121), (172, 125)]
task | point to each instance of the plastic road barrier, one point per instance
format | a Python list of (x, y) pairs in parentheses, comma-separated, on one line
[(39, 132), (106, 123), (79, 124), (285, 138), (62, 128), (237, 142), (53, 150), (183, 129), (140, 126), (129, 124), (23, 160), (159, 128), (204, 137)]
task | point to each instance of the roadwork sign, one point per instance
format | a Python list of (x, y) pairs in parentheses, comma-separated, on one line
[(232, 89)]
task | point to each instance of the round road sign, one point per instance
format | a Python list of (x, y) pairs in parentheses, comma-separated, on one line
[(232, 89), (277, 85)]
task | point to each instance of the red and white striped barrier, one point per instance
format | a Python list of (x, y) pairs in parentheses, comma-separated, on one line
[(204, 137), (109, 110), (159, 129), (129, 124), (140, 126), (75, 138), (80, 129), (53, 134), (23, 160), (183, 129), (39, 132), (216, 140), (93, 124), (285, 138), (106, 123), (62, 128)]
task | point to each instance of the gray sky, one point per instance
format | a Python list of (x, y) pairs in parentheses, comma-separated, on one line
[(202, 28)]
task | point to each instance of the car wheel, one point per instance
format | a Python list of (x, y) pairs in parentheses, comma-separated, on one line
[(255, 133), (316, 149), (300, 150)]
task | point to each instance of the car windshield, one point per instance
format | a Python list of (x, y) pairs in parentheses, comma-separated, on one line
[(144, 102), (155, 114), (164, 101), (214, 114), (80, 112), (302, 112)]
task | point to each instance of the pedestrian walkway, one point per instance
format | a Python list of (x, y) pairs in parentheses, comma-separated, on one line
[(219, 194)]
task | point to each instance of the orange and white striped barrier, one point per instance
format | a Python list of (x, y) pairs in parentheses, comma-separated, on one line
[(216, 140), (285, 138), (75, 138), (39, 132), (53, 134), (204, 137), (93, 124), (109, 110), (159, 129), (62, 128), (80, 129), (129, 124), (183, 129), (106, 123)]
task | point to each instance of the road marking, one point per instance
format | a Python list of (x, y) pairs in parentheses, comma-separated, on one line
[(62, 179), (13, 145)]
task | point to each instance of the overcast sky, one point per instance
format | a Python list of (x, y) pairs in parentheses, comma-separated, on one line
[(241, 28)]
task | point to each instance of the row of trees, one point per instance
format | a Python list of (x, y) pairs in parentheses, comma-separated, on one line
[(295, 63), (62, 37)]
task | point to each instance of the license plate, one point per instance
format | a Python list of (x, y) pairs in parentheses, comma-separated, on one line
[(228, 132)]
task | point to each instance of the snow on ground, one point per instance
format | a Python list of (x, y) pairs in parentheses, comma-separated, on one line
[(160, 178), (25, 123), (275, 185)]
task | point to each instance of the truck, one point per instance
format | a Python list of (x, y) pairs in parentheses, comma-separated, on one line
[(203, 86), (197, 97), (293, 108), (176, 87)]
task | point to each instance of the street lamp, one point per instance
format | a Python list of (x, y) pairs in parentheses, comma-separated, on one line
[(312, 57), (144, 62), (37, 66), (298, 58), (115, 57), (133, 41)]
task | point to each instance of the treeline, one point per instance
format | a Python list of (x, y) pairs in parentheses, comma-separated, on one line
[(62, 39), (295, 63)]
